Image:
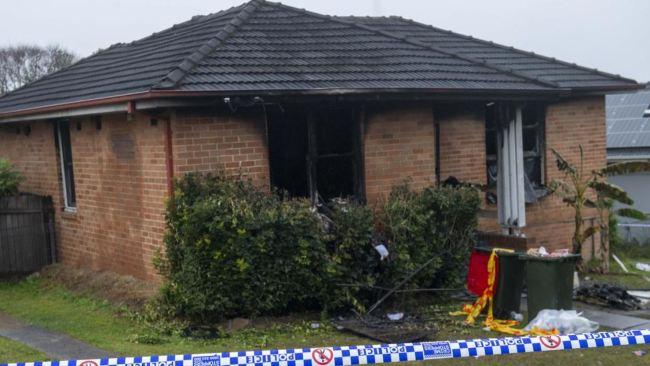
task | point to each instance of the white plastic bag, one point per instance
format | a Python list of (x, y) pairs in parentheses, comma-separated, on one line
[(565, 321)]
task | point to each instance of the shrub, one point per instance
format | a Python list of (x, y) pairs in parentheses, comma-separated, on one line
[(232, 250), (433, 223), (353, 263), (9, 179)]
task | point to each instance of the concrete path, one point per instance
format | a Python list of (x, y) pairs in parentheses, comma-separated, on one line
[(607, 318), (615, 321), (56, 345)]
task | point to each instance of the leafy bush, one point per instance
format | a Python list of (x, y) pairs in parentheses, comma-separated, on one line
[(353, 263), (433, 223), (233, 250), (9, 179)]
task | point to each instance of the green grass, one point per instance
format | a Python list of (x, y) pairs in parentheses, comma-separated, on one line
[(109, 328), (12, 351), (112, 329), (629, 254)]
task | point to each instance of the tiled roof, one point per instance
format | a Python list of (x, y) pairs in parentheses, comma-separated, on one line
[(262, 47), (527, 64)]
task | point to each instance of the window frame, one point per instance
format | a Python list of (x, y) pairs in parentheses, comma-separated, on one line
[(66, 168), (539, 109)]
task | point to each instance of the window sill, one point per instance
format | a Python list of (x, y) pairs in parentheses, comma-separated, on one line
[(69, 213)]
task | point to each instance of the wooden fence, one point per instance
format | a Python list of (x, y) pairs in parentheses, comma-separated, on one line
[(26, 234)]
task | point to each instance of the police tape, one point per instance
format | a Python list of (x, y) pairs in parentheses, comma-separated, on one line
[(375, 354)]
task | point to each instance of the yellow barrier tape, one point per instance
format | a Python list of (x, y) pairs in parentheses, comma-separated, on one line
[(472, 311)]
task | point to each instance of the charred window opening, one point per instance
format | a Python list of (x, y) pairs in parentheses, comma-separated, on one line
[(533, 116), (315, 153)]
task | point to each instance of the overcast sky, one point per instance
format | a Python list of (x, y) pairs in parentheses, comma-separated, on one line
[(611, 35)]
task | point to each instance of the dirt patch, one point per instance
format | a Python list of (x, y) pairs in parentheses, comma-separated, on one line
[(118, 290)]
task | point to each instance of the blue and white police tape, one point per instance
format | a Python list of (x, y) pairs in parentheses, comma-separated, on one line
[(375, 354)]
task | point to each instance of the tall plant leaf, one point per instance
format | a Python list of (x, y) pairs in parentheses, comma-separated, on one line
[(631, 213), (625, 168), (590, 203), (562, 188), (611, 191), (589, 232), (563, 165)]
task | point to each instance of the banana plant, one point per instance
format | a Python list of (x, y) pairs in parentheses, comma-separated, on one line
[(582, 189)]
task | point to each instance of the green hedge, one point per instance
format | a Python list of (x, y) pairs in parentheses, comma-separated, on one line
[(234, 250), (9, 178), (432, 223), (354, 266)]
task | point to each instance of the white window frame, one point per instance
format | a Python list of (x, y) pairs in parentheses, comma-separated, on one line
[(510, 180), (67, 207)]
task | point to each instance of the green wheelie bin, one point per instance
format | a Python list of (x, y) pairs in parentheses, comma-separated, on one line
[(550, 283), (509, 283)]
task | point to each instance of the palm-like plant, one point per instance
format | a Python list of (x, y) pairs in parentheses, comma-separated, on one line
[(589, 189)]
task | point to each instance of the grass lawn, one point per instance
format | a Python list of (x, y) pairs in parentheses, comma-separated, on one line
[(10, 350), (629, 254), (110, 328)]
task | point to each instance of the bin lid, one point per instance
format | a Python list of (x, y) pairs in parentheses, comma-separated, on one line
[(565, 258), (501, 253)]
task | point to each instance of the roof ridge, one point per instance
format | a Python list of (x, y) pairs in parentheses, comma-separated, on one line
[(101, 52), (423, 45), (174, 76), (514, 49)]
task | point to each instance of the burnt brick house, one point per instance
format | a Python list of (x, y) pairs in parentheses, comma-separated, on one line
[(317, 105)]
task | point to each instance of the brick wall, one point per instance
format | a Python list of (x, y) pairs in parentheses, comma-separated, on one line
[(120, 178), (206, 141), (462, 142), (121, 187), (568, 124), (120, 170), (120, 190), (398, 143), (34, 155)]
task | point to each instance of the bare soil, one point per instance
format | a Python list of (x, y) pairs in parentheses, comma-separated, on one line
[(116, 289)]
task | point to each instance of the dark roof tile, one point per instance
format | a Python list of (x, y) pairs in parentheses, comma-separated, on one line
[(261, 46)]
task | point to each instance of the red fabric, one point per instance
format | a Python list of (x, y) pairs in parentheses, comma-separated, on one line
[(477, 274)]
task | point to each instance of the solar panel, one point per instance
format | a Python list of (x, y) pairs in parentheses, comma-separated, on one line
[(628, 120)]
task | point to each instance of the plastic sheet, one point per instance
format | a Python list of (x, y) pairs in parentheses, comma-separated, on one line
[(565, 321)]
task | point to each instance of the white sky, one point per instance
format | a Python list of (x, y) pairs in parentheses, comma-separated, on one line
[(611, 35)]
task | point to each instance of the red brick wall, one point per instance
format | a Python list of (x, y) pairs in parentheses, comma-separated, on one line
[(120, 190), (120, 170), (398, 144), (462, 142), (568, 124), (209, 142), (120, 178), (34, 155), (121, 187)]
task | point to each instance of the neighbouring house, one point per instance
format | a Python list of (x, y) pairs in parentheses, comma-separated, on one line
[(320, 106), (628, 139)]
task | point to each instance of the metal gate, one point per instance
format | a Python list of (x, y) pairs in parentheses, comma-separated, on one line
[(26, 234)]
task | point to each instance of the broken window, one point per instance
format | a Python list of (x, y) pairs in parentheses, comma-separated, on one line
[(533, 116), (62, 136), (315, 152)]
